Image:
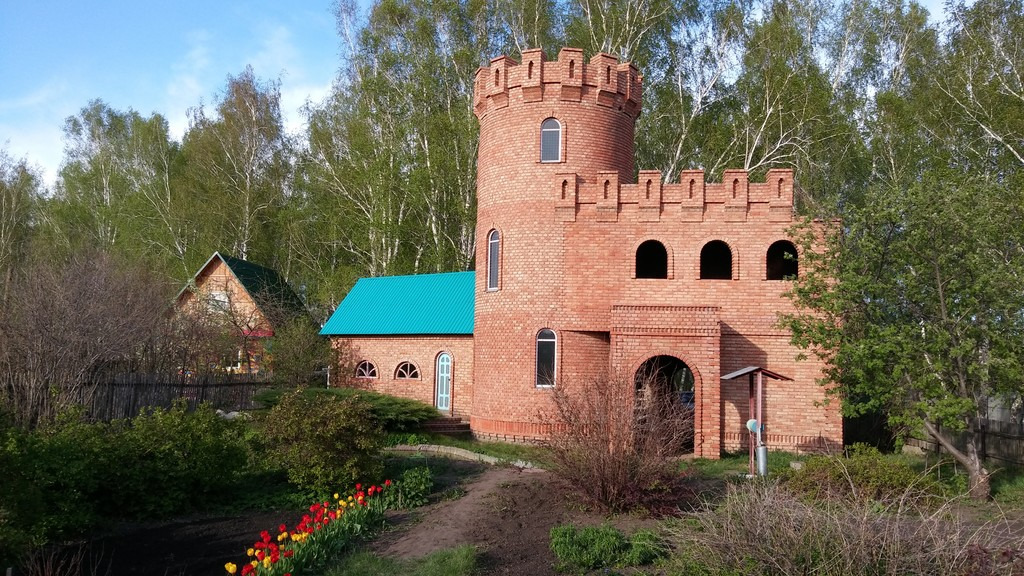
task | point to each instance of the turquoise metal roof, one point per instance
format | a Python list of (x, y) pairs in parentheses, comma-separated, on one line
[(393, 305)]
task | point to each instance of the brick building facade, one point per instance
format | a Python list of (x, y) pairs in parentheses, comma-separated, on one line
[(585, 271)]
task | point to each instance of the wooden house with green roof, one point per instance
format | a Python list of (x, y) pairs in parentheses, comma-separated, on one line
[(246, 300)]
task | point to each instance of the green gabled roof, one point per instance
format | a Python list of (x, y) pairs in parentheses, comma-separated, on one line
[(395, 305), (265, 285), (268, 289)]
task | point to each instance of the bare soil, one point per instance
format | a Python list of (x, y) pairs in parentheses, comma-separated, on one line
[(507, 513)]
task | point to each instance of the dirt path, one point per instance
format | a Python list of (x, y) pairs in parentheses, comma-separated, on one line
[(506, 513)]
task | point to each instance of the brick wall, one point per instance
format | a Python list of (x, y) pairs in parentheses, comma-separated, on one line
[(387, 352)]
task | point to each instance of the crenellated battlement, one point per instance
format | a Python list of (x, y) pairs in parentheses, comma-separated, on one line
[(603, 80), (735, 199)]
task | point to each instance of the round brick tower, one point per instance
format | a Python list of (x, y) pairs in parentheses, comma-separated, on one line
[(546, 129)]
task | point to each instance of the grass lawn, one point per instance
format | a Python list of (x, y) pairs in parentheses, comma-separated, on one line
[(459, 561)]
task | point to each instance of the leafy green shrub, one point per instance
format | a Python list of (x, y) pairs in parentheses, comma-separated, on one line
[(61, 480), (411, 490), (390, 413), (173, 460), (593, 547), (864, 474), (323, 441)]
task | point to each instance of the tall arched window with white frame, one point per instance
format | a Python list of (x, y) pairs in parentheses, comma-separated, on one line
[(551, 141), (493, 260)]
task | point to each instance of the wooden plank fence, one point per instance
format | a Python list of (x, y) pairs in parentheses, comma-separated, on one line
[(127, 395), (1001, 441)]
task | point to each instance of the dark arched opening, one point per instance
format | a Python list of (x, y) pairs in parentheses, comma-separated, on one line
[(651, 260), (716, 261), (781, 262), (665, 400)]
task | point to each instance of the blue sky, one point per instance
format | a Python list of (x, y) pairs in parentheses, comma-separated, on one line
[(56, 56)]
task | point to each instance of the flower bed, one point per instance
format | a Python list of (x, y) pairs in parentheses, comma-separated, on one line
[(318, 537)]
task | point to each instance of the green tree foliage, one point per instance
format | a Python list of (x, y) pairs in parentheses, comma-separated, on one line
[(917, 306), (238, 164)]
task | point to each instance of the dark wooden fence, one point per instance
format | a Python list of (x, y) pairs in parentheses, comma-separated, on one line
[(125, 396), (1002, 441)]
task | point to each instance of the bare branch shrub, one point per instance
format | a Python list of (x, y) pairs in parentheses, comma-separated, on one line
[(761, 528), (615, 444), (68, 560), (67, 324)]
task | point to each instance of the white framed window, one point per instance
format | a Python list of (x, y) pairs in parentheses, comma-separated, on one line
[(547, 344), (366, 369), (551, 141), (407, 371), (493, 256)]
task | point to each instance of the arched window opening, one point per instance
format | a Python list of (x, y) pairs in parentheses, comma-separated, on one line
[(735, 187), (493, 251), (497, 77), (550, 141), (716, 261), (692, 184), (779, 190), (366, 369), (608, 75), (607, 183), (407, 371), (647, 195), (546, 344), (529, 71), (565, 188), (781, 261), (651, 260), (572, 68)]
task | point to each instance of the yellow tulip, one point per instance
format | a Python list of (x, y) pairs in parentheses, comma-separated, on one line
[(266, 562), (250, 552), (335, 495), (231, 568)]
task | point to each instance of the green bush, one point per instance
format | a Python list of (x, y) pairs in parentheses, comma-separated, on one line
[(61, 480), (864, 474), (174, 460), (324, 441), (390, 413), (593, 547), (411, 490)]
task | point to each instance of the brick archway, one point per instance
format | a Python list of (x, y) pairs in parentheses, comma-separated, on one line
[(667, 378)]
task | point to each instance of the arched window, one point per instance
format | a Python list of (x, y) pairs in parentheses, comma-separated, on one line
[(407, 371), (651, 260), (546, 343), (493, 252), (366, 369), (716, 261), (550, 140), (781, 262)]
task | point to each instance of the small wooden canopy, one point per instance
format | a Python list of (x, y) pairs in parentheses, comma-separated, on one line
[(758, 373)]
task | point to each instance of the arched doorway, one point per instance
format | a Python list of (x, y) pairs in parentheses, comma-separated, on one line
[(664, 391)]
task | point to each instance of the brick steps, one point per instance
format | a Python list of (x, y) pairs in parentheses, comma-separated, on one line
[(447, 427)]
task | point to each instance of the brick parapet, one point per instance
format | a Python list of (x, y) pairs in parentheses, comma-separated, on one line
[(603, 81)]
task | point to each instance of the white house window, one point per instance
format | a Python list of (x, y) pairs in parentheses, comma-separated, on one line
[(493, 252), (550, 141), (546, 343)]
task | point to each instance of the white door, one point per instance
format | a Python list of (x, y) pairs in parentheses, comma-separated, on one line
[(444, 382)]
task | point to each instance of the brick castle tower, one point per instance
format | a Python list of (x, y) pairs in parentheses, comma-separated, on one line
[(583, 271)]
